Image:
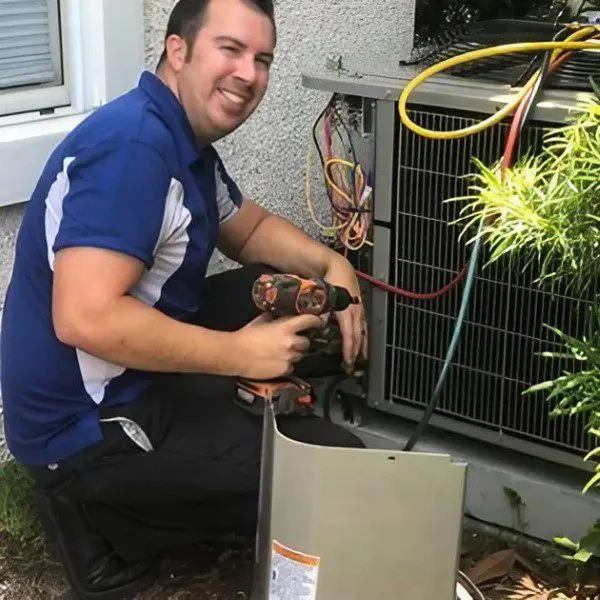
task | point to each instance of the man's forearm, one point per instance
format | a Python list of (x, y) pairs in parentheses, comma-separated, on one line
[(136, 336), (283, 246)]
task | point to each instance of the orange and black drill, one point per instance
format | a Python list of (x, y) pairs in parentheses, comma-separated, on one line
[(283, 295), (288, 295)]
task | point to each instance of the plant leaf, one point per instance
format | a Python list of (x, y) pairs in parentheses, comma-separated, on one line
[(591, 483), (582, 556), (540, 387), (566, 543), (593, 453), (591, 542)]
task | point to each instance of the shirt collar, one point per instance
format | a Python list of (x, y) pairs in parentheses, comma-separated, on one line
[(173, 113)]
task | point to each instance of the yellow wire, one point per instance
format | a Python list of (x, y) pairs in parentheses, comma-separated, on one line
[(348, 225), (329, 231), (558, 47), (344, 228), (338, 161)]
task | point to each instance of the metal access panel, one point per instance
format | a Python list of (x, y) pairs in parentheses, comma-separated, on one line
[(356, 523), (416, 249)]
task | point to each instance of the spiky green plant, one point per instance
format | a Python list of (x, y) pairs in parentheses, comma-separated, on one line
[(546, 208), (578, 392), (544, 212)]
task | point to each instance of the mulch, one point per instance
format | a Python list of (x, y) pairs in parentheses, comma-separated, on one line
[(504, 567)]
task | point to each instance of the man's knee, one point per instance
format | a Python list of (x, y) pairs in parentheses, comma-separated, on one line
[(350, 440), (319, 432)]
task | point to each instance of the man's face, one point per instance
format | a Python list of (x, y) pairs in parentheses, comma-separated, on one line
[(227, 73)]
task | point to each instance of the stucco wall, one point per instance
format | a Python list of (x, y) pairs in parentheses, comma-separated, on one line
[(268, 154), (10, 219)]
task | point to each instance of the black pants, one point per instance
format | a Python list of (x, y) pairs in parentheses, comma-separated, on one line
[(201, 481)]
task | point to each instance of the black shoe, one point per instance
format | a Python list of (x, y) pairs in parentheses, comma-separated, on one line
[(94, 571)]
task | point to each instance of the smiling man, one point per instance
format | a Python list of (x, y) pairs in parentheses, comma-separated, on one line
[(118, 354)]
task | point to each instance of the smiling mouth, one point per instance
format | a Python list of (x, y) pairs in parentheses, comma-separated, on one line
[(234, 98)]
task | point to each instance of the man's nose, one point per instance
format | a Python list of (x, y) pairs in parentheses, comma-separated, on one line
[(246, 69)]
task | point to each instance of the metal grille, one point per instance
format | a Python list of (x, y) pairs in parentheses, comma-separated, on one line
[(496, 359)]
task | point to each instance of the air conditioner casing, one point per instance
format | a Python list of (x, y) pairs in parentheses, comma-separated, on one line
[(415, 248)]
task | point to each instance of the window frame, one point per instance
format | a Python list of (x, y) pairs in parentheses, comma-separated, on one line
[(34, 97), (103, 58)]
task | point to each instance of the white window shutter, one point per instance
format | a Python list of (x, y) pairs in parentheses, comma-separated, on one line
[(29, 43)]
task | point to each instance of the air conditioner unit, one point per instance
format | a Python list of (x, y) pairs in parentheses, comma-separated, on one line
[(415, 248)]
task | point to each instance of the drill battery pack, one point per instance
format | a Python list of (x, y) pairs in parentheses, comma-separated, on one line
[(289, 395)]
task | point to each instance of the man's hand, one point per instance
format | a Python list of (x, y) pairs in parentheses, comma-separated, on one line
[(352, 321), (269, 348), (256, 236)]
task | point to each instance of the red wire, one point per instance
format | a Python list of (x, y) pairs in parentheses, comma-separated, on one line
[(511, 143), (513, 133), (414, 295)]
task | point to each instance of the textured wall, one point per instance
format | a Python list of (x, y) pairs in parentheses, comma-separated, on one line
[(267, 155), (10, 219)]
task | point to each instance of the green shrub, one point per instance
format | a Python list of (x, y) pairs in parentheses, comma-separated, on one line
[(544, 213)]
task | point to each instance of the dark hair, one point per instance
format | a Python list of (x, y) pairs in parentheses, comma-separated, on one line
[(187, 18)]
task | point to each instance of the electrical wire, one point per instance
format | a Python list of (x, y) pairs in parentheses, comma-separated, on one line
[(318, 147), (424, 422), (345, 127), (328, 230), (351, 218), (349, 195), (557, 47), (532, 97), (386, 287), (357, 224), (469, 586), (522, 114), (352, 215)]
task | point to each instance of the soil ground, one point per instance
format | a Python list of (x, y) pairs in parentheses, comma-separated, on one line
[(506, 566)]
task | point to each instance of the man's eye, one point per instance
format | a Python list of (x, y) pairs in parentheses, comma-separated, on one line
[(231, 49)]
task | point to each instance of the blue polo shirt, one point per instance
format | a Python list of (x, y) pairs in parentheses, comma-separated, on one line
[(130, 178)]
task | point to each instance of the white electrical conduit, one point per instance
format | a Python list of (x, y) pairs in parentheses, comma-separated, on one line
[(467, 590)]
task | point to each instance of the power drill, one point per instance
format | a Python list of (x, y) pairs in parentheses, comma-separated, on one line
[(283, 295)]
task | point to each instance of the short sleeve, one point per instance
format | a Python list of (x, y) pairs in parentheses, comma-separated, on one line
[(116, 200), (229, 195)]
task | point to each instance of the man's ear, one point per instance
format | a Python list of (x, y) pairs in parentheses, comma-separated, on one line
[(176, 50)]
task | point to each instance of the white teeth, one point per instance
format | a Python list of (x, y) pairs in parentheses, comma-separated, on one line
[(239, 100)]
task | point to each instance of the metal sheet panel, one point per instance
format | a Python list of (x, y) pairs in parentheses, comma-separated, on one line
[(262, 570), (378, 318), (443, 91), (370, 521), (385, 154)]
